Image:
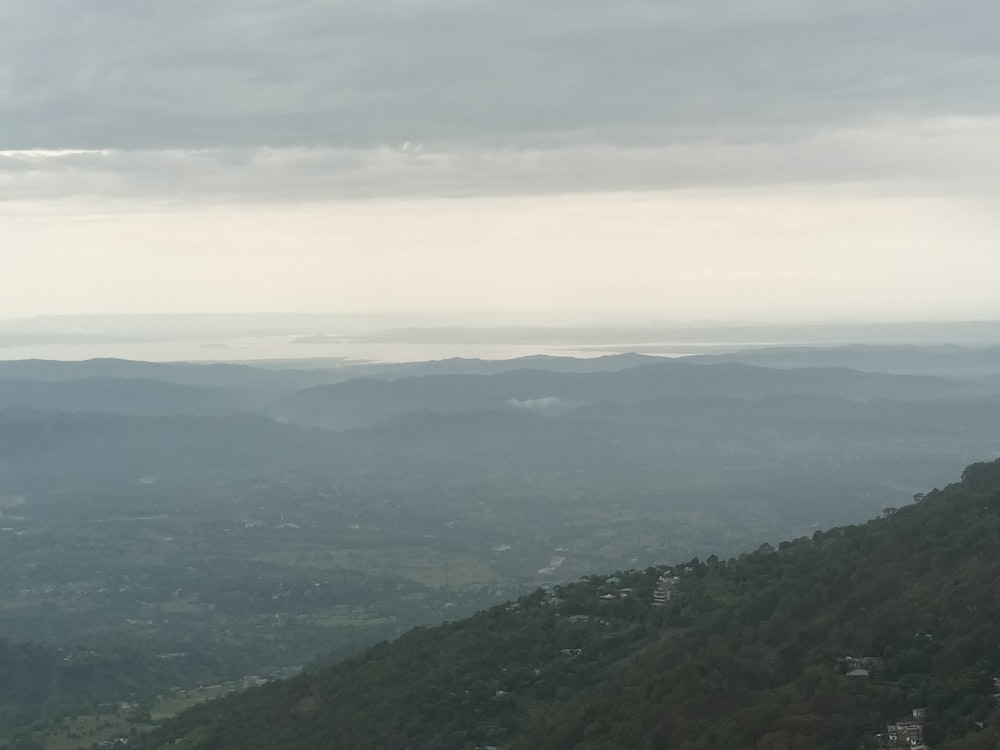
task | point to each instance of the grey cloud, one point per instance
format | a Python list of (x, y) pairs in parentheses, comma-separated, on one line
[(953, 155), (218, 74)]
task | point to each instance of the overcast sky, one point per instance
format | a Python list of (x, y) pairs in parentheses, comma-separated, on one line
[(728, 159)]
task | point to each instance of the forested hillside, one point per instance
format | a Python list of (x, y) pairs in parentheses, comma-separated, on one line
[(820, 643)]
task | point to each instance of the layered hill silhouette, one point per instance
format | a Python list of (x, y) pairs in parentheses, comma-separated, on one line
[(363, 402), (947, 360), (359, 395), (882, 634)]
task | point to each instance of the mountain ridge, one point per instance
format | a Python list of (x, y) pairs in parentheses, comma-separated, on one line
[(362, 402)]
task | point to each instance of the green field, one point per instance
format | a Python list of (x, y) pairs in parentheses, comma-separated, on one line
[(83, 731)]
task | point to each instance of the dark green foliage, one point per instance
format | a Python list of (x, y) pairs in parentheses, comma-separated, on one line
[(38, 683), (751, 655)]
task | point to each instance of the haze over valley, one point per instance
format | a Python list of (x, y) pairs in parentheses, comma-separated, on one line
[(219, 521), (524, 375)]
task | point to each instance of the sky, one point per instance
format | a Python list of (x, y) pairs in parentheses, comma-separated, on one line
[(774, 160)]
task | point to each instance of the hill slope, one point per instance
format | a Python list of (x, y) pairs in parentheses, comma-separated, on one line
[(761, 651)]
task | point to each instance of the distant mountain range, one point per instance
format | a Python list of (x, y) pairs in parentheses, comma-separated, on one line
[(945, 361), (365, 402), (361, 395)]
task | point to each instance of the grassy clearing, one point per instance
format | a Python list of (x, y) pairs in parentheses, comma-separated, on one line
[(339, 621), (171, 705), (419, 564), (84, 731), (422, 565), (181, 607)]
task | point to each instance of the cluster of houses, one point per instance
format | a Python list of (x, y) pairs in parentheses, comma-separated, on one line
[(861, 666), (623, 593), (666, 589), (906, 733)]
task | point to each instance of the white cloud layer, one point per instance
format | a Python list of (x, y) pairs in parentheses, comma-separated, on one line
[(765, 254)]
